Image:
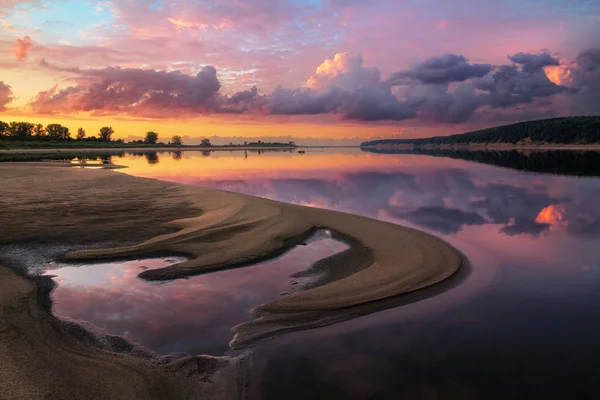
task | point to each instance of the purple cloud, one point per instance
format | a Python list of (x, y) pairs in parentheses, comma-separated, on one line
[(509, 86), (6, 95), (589, 60), (445, 89), (441, 70), (532, 63), (132, 90)]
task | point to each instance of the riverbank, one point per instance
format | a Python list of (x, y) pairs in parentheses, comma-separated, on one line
[(80, 209), (491, 146), (139, 149)]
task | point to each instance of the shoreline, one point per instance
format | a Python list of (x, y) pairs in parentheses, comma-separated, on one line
[(492, 147), (141, 149), (216, 230)]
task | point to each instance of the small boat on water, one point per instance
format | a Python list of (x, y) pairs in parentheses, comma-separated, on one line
[(301, 152)]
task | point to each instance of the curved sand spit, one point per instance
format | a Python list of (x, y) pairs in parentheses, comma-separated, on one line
[(218, 229)]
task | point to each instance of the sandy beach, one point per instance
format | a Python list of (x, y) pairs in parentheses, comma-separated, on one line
[(137, 217)]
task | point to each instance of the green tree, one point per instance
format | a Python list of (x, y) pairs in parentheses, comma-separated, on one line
[(106, 133), (205, 143), (151, 137), (177, 140), (57, 131), (4, 128), (80, 134), (39, 130), (20, 129)]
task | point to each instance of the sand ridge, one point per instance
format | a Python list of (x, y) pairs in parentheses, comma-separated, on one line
[(216, 230), (236, 230)]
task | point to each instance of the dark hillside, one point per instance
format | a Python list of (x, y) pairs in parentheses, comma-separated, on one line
[(568, 130)]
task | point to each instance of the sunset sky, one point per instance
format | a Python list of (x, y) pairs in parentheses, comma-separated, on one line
[(313, 71)]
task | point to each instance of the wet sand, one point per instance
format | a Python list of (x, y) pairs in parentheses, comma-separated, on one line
[(42, 357), (216, 230)]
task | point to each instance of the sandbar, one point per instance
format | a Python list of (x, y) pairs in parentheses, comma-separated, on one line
[(140, 217)]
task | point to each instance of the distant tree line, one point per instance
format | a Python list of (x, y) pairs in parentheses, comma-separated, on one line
[(568, 130), (23, 130), (26, 131)]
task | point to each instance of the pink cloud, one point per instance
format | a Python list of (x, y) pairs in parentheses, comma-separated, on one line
[(443, 89), (22, 47)]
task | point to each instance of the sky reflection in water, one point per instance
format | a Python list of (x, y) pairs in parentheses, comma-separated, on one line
[(523, 325), (193, 315)]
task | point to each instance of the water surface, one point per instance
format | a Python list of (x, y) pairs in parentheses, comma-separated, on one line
[(524, 324), (192, 316)]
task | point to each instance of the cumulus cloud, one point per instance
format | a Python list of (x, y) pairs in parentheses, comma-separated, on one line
[(583, 80), (445, 89), (22, 47), (443, 69), (342, 86), (509, 86), (6, 95), (345, 71), (365, 103), (533, 62), (349, 90), (428, 91), (131, 90), (437, 103)]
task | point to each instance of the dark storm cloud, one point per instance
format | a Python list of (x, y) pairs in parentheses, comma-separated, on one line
[(443, 69), (533, 62)]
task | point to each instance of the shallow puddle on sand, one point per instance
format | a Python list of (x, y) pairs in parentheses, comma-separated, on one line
[(193, 316)]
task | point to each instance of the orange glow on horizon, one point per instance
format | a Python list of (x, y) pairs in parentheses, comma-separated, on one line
[(197, 128)]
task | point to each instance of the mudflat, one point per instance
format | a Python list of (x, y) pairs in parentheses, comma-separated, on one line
[(139, 217)]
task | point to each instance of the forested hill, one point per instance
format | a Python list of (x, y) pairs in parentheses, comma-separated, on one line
[(569, 130)]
